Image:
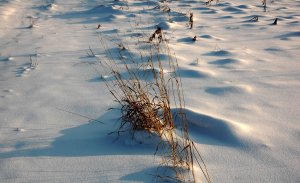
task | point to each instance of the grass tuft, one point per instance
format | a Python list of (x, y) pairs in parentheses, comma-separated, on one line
[(151, 88)]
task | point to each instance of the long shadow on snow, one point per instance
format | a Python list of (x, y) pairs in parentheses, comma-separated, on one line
[(148, 175), (90, 139)]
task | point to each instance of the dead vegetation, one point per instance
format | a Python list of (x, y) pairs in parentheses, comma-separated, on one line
[(157, 33), (191, 20), (146, 104), (264, 3)]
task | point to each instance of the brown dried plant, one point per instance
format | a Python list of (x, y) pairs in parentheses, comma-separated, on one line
[(191, 20), (146, 104), (264, 3)]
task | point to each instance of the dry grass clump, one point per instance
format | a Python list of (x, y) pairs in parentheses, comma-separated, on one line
[(141, 109), (146, 92)]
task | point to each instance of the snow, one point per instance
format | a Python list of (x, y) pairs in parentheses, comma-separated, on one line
[(240, 79)]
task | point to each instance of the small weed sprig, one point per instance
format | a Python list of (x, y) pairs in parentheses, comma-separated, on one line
[(158, 33), (264, 3), (191, 20), (33, 63)]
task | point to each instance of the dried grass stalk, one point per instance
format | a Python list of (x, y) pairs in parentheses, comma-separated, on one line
[(146, 103)]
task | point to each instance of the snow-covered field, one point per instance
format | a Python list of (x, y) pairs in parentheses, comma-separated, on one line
[(241, 80)]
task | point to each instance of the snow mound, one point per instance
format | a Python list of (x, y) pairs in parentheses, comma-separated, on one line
[(213, 130)]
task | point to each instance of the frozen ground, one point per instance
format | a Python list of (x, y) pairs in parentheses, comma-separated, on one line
[(241, 80)]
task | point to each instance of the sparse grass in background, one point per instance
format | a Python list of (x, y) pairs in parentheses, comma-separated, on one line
[(151, 88)]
